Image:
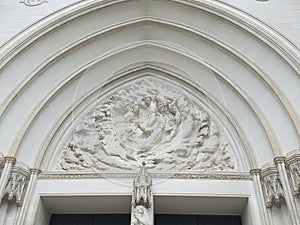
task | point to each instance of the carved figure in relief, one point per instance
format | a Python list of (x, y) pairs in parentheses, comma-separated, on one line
[(295, 177), (15, 187), (149, 121), (141, 216), (273, 190)]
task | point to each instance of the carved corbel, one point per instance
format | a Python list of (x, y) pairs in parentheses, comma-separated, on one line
[(293, 166), (17, 182), (271, 185)]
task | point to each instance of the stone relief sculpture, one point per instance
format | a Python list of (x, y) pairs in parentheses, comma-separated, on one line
[(294, 172), (142, 199), (15, 187), (146, 121), (272, 189), (17, 182)]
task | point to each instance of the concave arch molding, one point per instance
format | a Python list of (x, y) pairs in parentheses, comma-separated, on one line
[(273, 47)]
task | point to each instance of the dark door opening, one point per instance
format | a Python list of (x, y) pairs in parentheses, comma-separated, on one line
[(160, 219)]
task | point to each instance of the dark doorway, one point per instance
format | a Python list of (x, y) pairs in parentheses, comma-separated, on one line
[(160, 219)]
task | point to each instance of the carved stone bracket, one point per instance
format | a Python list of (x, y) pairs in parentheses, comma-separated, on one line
[(271, 185), (17, 182), (293, 166)]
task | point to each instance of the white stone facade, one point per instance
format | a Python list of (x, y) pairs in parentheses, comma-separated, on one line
[(203, 92)]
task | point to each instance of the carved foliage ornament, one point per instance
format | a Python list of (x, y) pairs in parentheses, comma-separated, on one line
[(146, 121)]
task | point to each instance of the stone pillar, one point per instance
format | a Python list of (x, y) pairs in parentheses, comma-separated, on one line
[(290, 201), (260, 196), (26, 201), (9, 162)]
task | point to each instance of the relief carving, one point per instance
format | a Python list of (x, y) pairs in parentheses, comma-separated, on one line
[(293, 169), (16, 185), (272, 189), (294, 172), (146, 121)]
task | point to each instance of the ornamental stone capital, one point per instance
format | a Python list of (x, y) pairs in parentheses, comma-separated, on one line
[(271, 185), (16, 185)]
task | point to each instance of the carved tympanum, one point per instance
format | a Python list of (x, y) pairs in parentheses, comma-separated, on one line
[(146, 121)]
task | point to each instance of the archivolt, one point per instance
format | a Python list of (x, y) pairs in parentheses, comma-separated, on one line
[(281, 47)]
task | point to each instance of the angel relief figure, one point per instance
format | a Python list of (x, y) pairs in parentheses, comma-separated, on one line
[(152, 120)]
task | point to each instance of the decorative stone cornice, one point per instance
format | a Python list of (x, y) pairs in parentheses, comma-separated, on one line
[(154, 175)]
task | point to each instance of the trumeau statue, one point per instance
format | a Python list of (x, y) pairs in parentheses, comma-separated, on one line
[(142, 199), (146, 121)]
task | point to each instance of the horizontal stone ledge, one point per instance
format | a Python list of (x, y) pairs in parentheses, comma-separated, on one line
[(170, 175)]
